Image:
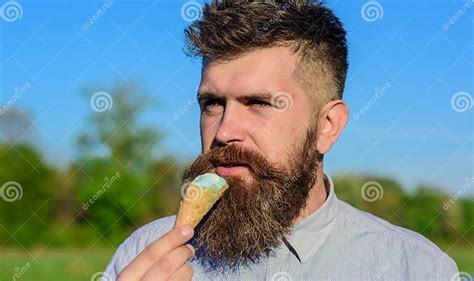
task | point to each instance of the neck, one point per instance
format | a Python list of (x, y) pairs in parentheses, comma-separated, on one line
[(316, 197)]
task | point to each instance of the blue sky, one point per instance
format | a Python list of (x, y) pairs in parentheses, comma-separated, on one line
[(410, 71)]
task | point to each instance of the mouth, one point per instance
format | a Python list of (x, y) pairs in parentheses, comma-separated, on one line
[(228, 168)]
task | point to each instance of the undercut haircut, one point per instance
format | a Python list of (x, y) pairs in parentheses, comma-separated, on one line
[(229, 29)]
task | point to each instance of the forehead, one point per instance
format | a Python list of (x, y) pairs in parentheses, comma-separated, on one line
[(268, 69)]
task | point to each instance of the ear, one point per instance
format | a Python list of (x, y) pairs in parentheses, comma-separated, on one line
[(332, 120)]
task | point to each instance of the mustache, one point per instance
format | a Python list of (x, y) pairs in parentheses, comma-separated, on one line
[(207, 162)]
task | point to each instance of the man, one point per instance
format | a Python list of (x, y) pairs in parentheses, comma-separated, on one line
[(271, 90)]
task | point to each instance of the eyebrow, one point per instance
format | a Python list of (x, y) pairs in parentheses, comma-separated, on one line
[(204, 95)]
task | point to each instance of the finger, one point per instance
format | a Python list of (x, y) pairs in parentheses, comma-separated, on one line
[(184, 273), (153, 252), (167, 265)]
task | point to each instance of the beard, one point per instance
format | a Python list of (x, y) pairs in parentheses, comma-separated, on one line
[(254, 215)]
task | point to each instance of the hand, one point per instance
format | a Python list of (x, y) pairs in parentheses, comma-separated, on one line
[(164, 259)]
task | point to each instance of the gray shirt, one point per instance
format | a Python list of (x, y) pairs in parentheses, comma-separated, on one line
[(336, 242)]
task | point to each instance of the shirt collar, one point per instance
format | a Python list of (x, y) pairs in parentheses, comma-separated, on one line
[(309, 234)]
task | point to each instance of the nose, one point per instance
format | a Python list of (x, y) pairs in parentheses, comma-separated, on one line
[(231, 126)]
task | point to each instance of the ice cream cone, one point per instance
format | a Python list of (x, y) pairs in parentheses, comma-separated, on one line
[(198, 198)]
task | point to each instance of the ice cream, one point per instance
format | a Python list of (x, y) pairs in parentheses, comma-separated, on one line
[(198, 198)]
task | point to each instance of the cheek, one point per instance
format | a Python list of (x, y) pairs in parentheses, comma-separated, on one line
[(279, 138), (271, 140), (208, 130)]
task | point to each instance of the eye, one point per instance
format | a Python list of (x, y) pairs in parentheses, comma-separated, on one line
[(258, 102), (210, 104)]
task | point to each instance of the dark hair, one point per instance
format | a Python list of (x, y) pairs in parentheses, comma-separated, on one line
[(230, 28)]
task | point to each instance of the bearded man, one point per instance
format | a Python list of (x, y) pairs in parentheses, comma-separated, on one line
[(273, 75)]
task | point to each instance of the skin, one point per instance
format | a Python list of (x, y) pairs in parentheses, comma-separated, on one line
[(164, 259), (233, 116), (254, 125)]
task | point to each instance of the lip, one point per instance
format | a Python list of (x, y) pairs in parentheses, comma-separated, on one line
[(231, 170)]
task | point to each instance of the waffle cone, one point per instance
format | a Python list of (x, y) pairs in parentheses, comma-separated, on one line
[(196, 203)]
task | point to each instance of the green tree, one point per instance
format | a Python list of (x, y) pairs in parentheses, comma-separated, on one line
[(28, 191), (142, 182), (380, 196), (468, 218)]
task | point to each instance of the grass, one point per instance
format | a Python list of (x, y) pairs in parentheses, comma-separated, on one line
[(82, 264), (53, 264)]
